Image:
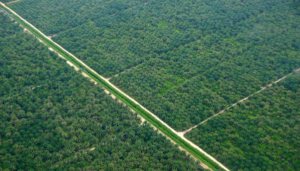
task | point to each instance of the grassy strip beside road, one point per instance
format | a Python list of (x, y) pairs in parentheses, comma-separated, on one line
[(197, 154), (136, 107)]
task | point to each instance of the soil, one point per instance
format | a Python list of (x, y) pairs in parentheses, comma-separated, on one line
[(118, 74), (182, 149), (246, 98), (85, 75), (56, 53), (280, 79), (27, 31), (112, 96), (195, 146), (24, 91), (181, 134), (143, 120), (12, 2), (49, 37), (72, 65), (184, 132)]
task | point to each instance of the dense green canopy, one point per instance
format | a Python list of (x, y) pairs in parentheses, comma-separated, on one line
[(262, 133), (52, 118), (186, 60), (187, 85)]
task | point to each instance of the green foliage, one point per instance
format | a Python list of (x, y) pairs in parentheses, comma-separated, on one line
[(33, 72), (68, 123), (4, 1), (123, 98), (222, 67), (293, 82), (112, 36), (184, 60), (261, 133), (232, 47)]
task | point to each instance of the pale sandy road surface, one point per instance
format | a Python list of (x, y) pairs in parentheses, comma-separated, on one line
[(12, 2), (192, 144), (24, 92), (142, 119), (119, 74), (244, 99)]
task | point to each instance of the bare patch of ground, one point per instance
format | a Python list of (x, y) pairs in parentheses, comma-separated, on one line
[(143, 120), (106, 91), (85, 75), (12, 2), (240, 101), (30, 89), (184, 132), (112, 96), (72, 65), (123, 93), (56, 53), (182, 149), (27, 31), (118, 74), (49, 37)]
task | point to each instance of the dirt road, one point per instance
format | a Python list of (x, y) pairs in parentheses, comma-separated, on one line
[(30, 89), (12, 2), (192, 144), (120, 73), (240, 101)]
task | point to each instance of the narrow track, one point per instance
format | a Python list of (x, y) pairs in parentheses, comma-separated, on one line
[(30, 89), (119, 91), (240, 101), (12, 2)]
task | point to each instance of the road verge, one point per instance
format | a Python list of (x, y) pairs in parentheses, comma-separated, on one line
[(147, 115)]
